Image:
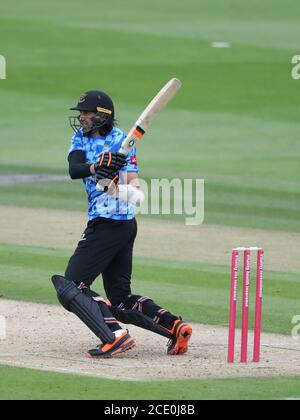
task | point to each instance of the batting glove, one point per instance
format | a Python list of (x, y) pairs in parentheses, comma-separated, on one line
[(111, 161)]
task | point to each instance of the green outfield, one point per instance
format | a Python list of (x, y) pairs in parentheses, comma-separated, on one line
[(237, 115), (26, 273), (30, 384), (235, 123)]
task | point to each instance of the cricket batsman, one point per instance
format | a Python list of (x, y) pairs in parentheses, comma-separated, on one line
[(106, 246)]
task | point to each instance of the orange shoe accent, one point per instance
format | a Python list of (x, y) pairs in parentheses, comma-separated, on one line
[(119, 345), (107, 347), (128, 345), (172, 331), (179, 345)]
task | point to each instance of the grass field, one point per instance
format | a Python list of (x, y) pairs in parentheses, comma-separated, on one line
[(237, 115), (26, 273), (235, 123), (30, 385)]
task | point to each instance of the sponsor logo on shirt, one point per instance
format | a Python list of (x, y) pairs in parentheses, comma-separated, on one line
[(133, 160)]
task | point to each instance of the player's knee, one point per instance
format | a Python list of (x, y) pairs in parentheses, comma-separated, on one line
[(67, 290)]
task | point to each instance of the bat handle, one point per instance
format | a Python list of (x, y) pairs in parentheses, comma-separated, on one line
[(123, 150)]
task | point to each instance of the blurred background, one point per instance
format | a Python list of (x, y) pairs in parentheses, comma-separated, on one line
[(235, 123)]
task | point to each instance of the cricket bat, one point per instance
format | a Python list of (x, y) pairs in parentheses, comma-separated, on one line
[(155, 107)]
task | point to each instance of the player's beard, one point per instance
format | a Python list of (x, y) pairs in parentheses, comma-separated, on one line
[(87, 129)]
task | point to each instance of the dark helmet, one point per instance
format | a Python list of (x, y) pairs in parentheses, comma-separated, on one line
[(99, 103)]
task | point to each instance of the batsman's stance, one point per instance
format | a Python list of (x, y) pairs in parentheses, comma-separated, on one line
[(106, 246)]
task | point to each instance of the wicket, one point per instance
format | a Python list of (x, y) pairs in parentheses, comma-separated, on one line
[(245, 304)]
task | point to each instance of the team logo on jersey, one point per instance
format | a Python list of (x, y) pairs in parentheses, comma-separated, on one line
[(133, 160)]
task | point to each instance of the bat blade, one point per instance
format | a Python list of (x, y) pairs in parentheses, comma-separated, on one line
[(155, 107)]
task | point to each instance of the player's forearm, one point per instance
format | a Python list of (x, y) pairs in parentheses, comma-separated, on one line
[(78, 168)]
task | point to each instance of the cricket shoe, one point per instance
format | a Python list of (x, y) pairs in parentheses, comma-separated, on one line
[(182, 333), (120, 345)]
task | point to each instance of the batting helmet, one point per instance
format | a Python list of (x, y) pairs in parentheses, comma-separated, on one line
[(99, 103)]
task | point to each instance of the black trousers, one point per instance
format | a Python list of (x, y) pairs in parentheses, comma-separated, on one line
[(106, 248)]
